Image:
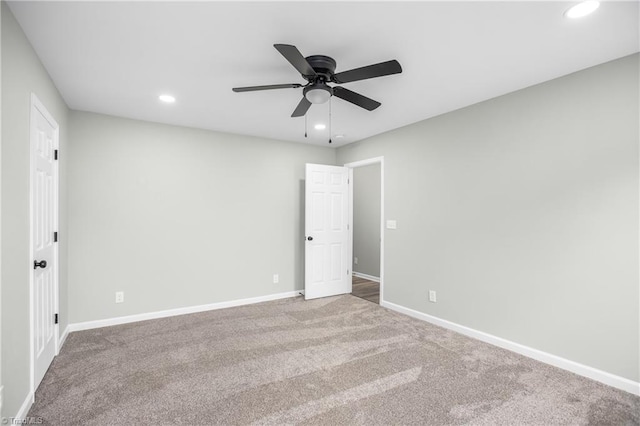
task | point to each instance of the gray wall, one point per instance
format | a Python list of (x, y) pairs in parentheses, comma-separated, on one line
[(22, 74), (1, 388), (522, 213), (366, 219), (179, 217)]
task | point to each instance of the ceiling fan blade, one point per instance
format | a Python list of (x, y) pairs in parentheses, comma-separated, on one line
[(371, 71), (355, 98), (273, 86), (293, 55), (302, 108)]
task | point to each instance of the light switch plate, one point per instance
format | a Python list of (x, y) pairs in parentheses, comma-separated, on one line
[(391, 224)]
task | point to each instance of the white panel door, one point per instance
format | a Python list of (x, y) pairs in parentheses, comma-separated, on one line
[(44, 189), (327, 266)]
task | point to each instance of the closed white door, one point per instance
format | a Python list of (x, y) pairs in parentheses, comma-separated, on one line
[(44, 190), (327, 254)]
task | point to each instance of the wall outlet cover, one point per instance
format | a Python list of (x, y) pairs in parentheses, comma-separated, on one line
[(119, 296), (432, 296), (392, 224), (355, 260), (276, 278)]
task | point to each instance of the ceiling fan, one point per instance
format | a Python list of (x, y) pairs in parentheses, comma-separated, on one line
[(319, 70)]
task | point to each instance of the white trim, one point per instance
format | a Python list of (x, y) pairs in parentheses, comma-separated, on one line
[(361, 163), (350, 226), (179, 311), (366, 276), (63, 339), (47, 116), (575, 367), (37, 105), (26, 405), (367, 162)]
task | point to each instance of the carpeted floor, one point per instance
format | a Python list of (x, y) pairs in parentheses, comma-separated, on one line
[(332, 361)]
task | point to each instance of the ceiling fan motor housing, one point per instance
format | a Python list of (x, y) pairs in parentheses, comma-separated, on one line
[(318, 92), (324, 66)]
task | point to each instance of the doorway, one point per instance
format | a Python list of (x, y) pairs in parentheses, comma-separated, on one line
[(367, 231)]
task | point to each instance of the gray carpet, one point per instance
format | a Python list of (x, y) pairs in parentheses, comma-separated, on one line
[(339, 360)]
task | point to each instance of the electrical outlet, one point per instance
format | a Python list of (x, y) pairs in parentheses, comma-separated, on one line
[(119, 296), (276, 278), (355, 260), (432, 296), (392, 224)]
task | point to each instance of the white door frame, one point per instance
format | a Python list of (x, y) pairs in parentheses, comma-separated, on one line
[(38, 108), (351, 166)]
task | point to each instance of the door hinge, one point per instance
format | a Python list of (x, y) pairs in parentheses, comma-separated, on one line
[(55, 237), (347, 272), (347, 226), (55, 154), (55, 319)]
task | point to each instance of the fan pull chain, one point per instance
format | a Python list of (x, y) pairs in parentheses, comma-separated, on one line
[(330, 120), (305, 125)]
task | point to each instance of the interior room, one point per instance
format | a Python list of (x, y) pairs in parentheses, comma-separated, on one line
[(320, 212)]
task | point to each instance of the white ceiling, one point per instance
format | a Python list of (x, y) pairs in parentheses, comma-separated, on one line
[(117, 57)]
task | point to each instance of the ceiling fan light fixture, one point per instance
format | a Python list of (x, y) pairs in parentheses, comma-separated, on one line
[(582, 9), (317, 93)]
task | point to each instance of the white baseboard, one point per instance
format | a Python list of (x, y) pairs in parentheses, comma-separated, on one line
[(63, 338), (178, 311), (24, 408), (28, 402), (575, 367), (366, 276)]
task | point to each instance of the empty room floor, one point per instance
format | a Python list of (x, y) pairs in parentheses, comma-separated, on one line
[(366, 289), (337, 360)]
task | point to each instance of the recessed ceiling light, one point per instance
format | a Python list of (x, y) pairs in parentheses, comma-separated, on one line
[(339, 136), (582, 9), (320, 126), (167, 99)]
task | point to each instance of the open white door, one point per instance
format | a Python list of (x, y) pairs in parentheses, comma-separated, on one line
[(327, 251), (44, 208)]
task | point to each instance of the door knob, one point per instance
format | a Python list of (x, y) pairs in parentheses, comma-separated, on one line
[(42, 264), (309, 238)]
